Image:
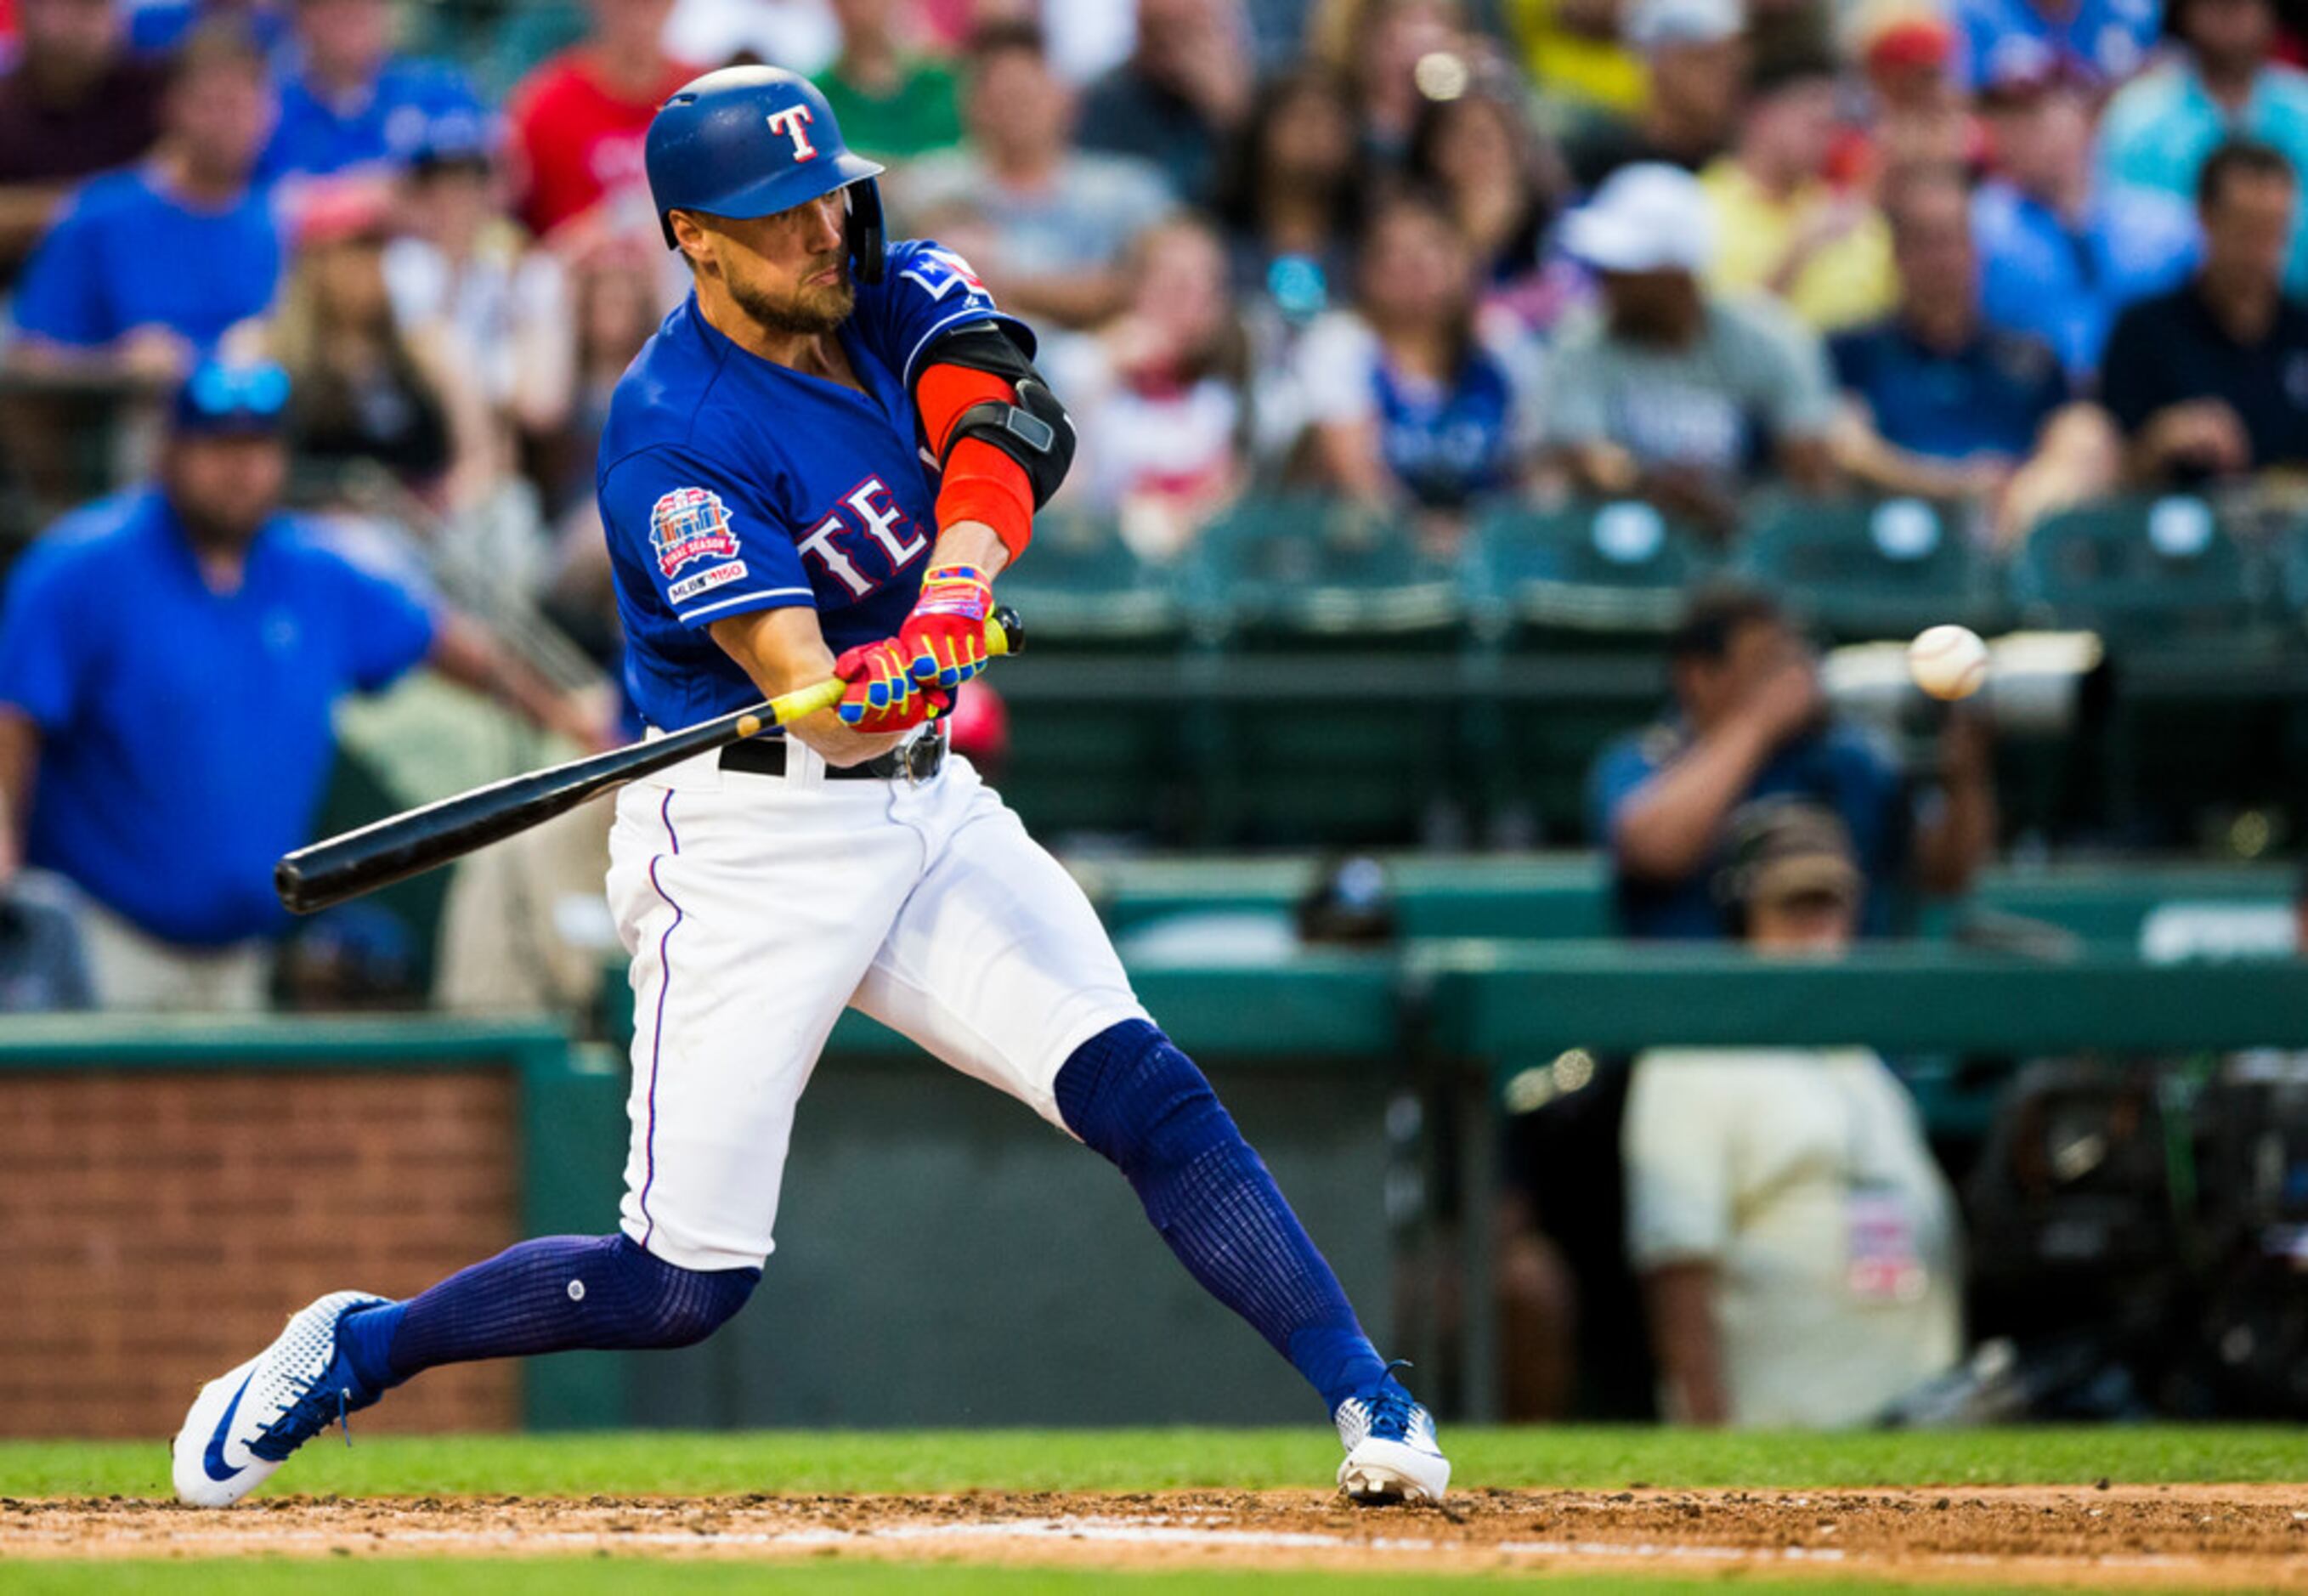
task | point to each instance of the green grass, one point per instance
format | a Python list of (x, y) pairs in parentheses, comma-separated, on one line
[(617, 1576), (724, 1463)]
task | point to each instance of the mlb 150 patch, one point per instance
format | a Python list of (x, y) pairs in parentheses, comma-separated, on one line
[(690, 524), (705, 581)]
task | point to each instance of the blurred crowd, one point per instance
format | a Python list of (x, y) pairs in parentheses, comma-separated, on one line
[(1416, 252), (1422, 256)]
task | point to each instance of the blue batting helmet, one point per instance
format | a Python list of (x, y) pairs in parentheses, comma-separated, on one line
[(753, 141)]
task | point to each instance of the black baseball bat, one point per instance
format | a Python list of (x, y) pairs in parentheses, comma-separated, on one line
[(408, 844)]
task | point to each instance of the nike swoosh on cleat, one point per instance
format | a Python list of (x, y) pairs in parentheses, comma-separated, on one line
[(212, 1459)]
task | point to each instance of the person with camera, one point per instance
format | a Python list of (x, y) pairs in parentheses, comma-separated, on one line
[(1798, 1250), (1751, 720)]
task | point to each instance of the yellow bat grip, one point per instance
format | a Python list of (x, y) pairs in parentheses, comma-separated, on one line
[(789, 707)]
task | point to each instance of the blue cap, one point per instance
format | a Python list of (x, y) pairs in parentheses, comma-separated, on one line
[(747, 141), (219, 399), (460, 137)]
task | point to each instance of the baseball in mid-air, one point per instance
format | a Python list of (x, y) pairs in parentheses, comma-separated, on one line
[(1948, 662)]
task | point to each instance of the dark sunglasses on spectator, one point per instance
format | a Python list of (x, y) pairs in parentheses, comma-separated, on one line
[(220, 398)]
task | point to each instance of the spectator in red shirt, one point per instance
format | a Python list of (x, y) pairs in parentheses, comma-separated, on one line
[(580, 118)]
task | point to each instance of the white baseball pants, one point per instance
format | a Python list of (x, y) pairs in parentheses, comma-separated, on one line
[(756, 908)]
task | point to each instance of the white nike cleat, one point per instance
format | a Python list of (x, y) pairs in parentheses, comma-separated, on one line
[(244, 1426), (1392, 1453)]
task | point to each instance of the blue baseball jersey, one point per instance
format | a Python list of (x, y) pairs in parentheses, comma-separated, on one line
[(730, 483)]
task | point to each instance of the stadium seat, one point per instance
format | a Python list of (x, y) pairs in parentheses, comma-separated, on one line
[(1310, 739), (1297, 570), (1082, 586), (2200, 718), (1866, 567), (1587, 567), (2147, 572)]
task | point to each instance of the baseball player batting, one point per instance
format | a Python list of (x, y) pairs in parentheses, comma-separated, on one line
[(819, 466)]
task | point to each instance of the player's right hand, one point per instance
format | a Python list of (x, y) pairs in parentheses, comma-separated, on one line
[(882, 694)]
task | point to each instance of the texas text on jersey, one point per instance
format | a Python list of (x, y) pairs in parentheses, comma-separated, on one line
[(785, 489)]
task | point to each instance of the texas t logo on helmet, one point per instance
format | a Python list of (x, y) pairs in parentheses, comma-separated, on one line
[(794, 121), (752, 140)]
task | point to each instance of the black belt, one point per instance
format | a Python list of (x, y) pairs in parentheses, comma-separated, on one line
[(916, 761)]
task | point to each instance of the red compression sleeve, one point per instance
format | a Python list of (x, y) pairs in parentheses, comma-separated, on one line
[(981, 482)]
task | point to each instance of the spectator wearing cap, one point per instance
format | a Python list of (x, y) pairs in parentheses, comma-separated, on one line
[(892, 103), (1060, 221), (1696, 54), (148, 265), (1666, 390), (2096, 43), (1800, 1251), (2211, 379), (1750, 721), (76, 102), (1778, 226), (170, 660), (1177, 100), (1939, 404), (580, 119), (2159, 127), (1918, 115), (347, 101), (1407, 405), (2062, 252)]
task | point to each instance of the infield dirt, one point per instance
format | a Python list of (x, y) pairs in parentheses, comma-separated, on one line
[(2143, 1537)]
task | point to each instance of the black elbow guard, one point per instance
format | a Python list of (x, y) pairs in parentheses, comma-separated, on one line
[(1035, 431)]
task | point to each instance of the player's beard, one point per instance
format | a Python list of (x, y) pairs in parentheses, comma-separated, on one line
[(807, 312)]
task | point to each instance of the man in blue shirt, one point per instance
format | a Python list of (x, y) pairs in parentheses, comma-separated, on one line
[(2159, 127), (170, 660), (348, 101), (148, 266), (1940, 403), (1751, 723), (2061, 253)]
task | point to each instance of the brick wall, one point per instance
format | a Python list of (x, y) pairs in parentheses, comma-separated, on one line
[(155, 1229)]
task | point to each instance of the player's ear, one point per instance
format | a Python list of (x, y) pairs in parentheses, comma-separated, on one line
[(694, 241)]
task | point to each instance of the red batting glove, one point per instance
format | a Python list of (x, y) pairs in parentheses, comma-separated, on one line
[(882, 694), (944, 641)]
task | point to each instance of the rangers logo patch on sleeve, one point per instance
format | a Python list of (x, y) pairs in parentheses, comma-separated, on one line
[(690, 525)]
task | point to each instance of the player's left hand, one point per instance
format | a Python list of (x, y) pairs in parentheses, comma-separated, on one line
[(943, 640), (882, 694)]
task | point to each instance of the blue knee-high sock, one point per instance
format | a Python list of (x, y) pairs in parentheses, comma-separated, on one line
[(1133, 1096), (555, 1294)]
